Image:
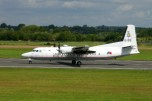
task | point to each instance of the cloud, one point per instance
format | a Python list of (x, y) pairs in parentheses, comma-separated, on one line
[(77, 4), (140, 14), (30, 3), (39, 3), (76, 12), (119, 1), (2, 19), (125, 7)]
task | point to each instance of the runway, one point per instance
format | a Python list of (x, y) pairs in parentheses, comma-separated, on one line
[(102, 64)]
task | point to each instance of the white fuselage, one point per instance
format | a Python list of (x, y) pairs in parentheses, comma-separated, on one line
[(52, 53)]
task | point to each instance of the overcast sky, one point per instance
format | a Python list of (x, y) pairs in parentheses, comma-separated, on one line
[(77, 12)]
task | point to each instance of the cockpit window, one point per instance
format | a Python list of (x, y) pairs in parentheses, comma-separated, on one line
[(36, 50)]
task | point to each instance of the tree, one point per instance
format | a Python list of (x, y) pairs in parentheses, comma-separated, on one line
[(30, 29), (3, 25), (66, 36), (21, 26)]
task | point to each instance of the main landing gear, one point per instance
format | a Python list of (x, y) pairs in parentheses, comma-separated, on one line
[(78, 63)]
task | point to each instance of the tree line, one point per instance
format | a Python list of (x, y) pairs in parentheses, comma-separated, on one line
[(66, 33)]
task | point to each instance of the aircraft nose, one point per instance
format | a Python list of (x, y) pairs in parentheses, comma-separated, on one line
[(26, 55)]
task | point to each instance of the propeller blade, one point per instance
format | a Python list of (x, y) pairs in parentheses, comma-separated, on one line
[(54, 45), (59, 46)]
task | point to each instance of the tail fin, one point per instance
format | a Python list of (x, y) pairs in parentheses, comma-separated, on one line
[(130, 40)]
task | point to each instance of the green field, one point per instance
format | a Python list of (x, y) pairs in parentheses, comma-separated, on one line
[(12, 53), (145, 54), (74, 85), (31, 43)]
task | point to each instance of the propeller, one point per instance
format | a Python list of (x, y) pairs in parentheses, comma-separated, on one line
[(59, 47), (54, 45)]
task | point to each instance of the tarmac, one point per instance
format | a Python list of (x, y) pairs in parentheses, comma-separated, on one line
[(102, 64)]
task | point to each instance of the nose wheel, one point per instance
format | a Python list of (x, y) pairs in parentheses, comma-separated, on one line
[(30, 61)]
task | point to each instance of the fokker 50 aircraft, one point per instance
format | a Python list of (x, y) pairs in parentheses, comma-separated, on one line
[(76, 54)]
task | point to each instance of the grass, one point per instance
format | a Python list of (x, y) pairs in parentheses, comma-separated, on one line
[(29, 43), (12, 53), (19, 43), (74, 85), (145, 54)]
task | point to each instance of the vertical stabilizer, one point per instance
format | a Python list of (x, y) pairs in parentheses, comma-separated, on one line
[(130, 40)]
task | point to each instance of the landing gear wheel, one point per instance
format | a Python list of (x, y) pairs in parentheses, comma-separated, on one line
[(79, 63), (73, 62), (30, 62)]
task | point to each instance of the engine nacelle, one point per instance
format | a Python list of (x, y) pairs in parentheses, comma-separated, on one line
[(66, 49)]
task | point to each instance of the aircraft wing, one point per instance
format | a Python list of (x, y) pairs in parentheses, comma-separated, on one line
[(82, 50)]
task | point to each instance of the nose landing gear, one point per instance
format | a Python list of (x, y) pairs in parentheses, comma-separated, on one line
[(30, 61)]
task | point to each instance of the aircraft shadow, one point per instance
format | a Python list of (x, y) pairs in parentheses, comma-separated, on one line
[(67, 64), (91, 64)]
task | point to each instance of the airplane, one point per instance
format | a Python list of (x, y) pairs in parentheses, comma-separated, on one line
[(76, 54)]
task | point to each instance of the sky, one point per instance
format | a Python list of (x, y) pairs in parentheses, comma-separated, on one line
[(77, 12)]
